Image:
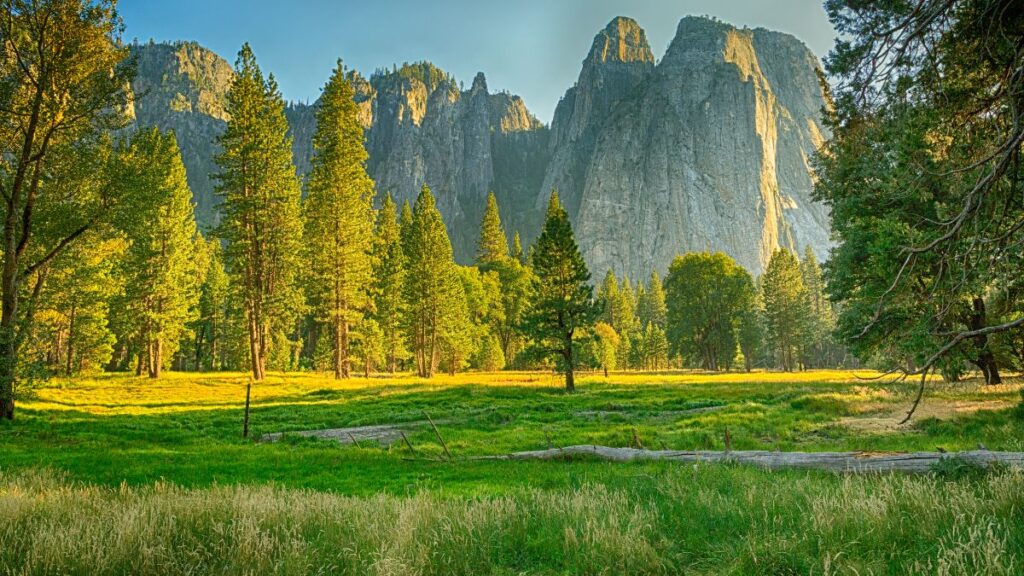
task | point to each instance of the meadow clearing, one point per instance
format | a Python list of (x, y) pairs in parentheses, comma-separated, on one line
[(153, 477)]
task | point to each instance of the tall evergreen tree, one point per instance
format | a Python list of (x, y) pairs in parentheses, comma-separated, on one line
[(160, 267), (822, 349), (608, 297), (261, 210), (564, 309), (493, 247), (651, 308), (388, 280), (339, 217), (786, 307), (517, 248), (433, 290), (213, 323)]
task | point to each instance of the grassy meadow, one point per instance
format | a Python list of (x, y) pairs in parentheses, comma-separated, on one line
[(116, 474)]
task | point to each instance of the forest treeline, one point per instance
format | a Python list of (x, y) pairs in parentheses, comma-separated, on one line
[(104, 268)]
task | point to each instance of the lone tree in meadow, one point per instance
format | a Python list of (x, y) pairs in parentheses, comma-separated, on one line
[(339, 218), (160, 267), (63, 82), (564, 309), (262, 221)]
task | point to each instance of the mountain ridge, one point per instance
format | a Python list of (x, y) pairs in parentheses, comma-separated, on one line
[(639, 189)]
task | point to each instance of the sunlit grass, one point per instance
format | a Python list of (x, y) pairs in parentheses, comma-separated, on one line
[(693, 520)]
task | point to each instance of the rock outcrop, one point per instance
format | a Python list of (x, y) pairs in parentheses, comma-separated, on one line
[(183, 87), (707, 149)]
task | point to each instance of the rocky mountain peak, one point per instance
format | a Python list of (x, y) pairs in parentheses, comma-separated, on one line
[(479, 82), (622, 40)]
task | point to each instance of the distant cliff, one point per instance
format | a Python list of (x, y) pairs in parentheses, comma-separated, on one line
[(706, 149)]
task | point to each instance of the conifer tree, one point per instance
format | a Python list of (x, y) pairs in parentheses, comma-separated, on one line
[(212, 327), (517, 248), (821, 345), (339, 218), (405, 227), (160, 267), (388, 281), (786, 307), (261, 213), (493, 247), (651, 308), (564, 309), (433, 290), (608, 297)]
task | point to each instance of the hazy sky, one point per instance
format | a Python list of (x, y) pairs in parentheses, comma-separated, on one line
[(532, 48)]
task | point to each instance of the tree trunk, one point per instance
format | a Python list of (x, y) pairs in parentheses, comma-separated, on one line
[(338, 372), (344, 361), (986, 360), (71, 341), (254, 347), (570, 380), (157, 358)]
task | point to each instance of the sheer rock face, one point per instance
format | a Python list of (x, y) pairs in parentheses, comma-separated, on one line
[(709, 152), (618, 61), (183, 87), (707, 149)]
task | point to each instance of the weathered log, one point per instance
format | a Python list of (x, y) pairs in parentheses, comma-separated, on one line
[(832, 461)]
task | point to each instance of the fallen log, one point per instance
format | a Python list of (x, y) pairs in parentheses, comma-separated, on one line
[(832, 461)]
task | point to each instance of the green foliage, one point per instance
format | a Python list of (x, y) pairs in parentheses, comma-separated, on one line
[(434, 295), (708, 295), (492, 247), (71, 331), (388, 281), (261, 220), (651, 307), (922, 179), (563, 307), (63, 86), (339, 218), (787, 308), (212, 328), (160, 269)]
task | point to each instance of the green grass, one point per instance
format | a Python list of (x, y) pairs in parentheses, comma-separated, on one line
[(171, 452)]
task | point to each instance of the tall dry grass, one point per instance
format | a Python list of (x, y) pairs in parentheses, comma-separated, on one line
[(704, 520)]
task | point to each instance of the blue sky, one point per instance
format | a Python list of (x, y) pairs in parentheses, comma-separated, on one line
[(532, 48)]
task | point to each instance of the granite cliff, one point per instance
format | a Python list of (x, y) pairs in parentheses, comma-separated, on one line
[(706, 149)]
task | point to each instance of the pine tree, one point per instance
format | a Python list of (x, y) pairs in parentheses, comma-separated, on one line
[(821, 349), (608, 297), (606, 342), (786, 307), (339, 218), (212, 327), (433, 291), (261, 213), (160, 267), (493, 247), (517, 248), (388, 281), (564, 309), (651, 308)]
